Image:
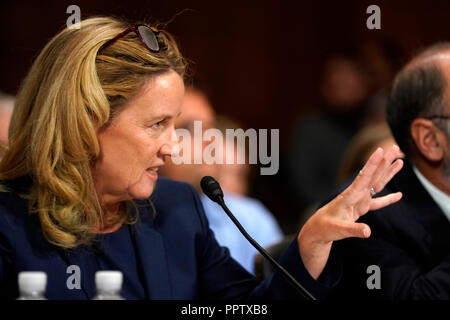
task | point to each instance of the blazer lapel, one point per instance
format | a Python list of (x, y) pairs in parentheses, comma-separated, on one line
[(426, 212), (152, 257)]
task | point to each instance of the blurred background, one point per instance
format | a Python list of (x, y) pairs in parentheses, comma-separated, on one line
[(311, 69)]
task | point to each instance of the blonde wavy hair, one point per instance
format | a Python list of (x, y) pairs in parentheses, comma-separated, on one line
[(71, 89)]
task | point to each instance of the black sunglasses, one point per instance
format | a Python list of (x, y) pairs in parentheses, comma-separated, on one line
[(147, 36)]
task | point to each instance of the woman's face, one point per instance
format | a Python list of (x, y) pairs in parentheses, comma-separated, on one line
[(135, 144)]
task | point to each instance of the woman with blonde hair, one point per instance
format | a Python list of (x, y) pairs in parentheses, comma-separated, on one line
[(93, 122)]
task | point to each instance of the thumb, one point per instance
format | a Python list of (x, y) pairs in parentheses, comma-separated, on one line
[(348, 229), (362, 230)]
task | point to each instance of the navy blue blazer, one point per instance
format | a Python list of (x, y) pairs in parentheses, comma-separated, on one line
[(177, 252), (410, 243)]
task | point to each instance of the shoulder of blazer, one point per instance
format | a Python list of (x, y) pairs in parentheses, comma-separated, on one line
[(177, 198), (13, 208)]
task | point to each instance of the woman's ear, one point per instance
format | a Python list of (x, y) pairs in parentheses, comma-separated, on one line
[(429, 140)]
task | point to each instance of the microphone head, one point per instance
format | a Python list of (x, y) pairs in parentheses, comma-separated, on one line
[(212, 189)]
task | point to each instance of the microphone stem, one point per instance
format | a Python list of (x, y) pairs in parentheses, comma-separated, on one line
[(266, 255)]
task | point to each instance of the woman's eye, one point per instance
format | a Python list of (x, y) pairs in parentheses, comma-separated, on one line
[(157, 124)]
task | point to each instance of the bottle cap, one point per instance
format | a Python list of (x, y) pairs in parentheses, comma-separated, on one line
[(108, 280), (30, 281)]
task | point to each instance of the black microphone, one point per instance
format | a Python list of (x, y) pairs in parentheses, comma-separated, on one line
[(213, 190)]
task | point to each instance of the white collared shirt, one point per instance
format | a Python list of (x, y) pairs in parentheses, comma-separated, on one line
[(441, 199)]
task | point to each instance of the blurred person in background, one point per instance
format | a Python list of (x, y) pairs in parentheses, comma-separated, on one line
[(233, 177), (320, 137), (382, 59), (251, 213), (362, 146), (6, 110)]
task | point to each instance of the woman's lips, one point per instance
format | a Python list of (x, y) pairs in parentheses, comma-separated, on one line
[(152, 173)]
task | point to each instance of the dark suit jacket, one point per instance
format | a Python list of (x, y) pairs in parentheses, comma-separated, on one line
[(410, 243), (177, 252)]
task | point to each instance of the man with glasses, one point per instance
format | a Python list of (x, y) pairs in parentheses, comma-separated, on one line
[(408, 253)]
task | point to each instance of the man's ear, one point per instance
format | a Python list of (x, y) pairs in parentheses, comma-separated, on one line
[(428, 139)]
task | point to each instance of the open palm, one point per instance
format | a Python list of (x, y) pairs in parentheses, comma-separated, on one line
[(337, 219)]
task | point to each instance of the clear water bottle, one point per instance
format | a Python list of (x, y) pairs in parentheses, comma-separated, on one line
[(109, 285), (32, 285)]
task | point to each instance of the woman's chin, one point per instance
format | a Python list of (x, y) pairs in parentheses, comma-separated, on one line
[(143, 192)]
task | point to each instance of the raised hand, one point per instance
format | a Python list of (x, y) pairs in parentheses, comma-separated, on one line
[(337, 219)]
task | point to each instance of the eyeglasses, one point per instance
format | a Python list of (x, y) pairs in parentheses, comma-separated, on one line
[(147, 36)]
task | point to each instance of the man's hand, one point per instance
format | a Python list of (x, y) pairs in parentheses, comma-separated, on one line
[(337, 219)]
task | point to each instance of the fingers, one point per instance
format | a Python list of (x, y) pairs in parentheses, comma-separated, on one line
[(384, 167), (377, 172), (347, 229), (381, 202), (388, 175), (363, 181), (387, 169)]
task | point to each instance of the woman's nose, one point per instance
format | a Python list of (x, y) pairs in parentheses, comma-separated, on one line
[(169, 144)]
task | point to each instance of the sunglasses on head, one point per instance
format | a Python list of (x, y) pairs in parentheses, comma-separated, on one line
[(147, 36)]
